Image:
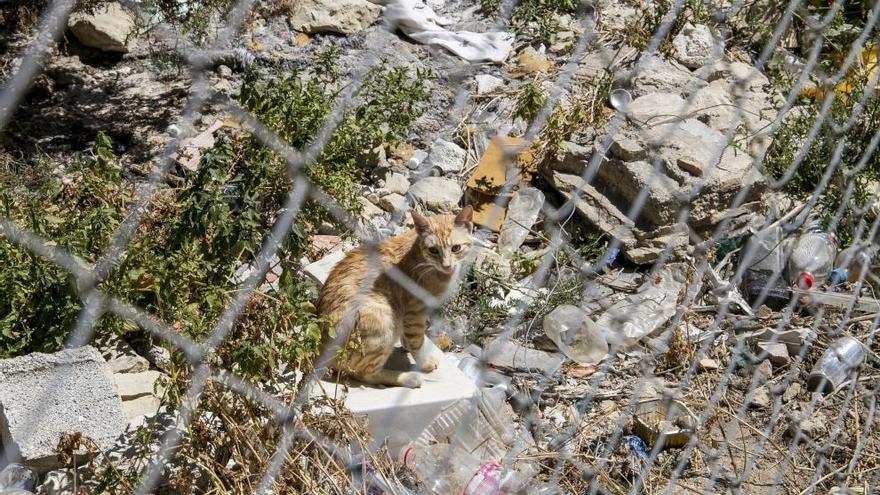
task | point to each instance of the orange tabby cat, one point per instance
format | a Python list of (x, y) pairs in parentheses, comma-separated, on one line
[(385, 313)]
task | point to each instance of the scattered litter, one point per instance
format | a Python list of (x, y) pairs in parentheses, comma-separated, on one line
[(620, 99), (665, 421), (495, 169), (504, 354), (576, 335), (812, 258), (835, 366), (419, 22), (17, 477), (191, 151), (641, 314)]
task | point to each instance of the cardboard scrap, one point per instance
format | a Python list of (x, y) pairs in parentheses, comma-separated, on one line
[(191, 150), (493, 171)]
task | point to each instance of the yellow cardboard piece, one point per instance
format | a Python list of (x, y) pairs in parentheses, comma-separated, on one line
[(490, 176)]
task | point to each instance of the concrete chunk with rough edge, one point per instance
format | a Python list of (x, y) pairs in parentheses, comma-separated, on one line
[(45, 395)]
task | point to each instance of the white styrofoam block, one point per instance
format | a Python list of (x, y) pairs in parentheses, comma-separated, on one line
[(398, 414), (320, 270)]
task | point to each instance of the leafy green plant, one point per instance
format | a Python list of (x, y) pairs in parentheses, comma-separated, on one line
[(791, 139), (538, 20), (531, 100)]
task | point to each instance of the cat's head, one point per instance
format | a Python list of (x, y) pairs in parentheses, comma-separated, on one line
[(445, 240)]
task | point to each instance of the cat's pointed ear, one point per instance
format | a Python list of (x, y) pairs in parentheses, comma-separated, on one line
[(465, 218), (420, 221)]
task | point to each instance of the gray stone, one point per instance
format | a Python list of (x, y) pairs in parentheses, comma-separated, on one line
[(713, 106), (522, 213), (573, 158), (656, 108), (793, 338), (393, 202), (369, 210), (333, 16), (145, 405), (742, 74), (615, 16), (396, 183), (626, 149), (777, 352), (134, 385), (120, 356), (108, 29), (507, 355), (708, 364), (760, 398), (791, 392), (693, 45), (656, 75), (45, 395), (437, 194), (448, 157), (487, 83)]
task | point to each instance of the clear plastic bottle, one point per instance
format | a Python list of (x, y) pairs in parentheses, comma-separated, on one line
[(812, 258), (854, 259), (575, 334), (446, 469)]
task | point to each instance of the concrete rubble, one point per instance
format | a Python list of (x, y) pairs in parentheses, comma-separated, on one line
[(45, 395)]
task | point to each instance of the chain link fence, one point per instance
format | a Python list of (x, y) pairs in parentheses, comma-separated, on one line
[(798, 442)]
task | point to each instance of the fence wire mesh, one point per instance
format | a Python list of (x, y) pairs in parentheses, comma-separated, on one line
[(732, 448)]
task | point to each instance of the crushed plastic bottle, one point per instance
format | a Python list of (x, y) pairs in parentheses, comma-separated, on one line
[(365, 475), (17, 479), (812, 258), (446, 469), (836, 365), (855, 259), (575, 334)]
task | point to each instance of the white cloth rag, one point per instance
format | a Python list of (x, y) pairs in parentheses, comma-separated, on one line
[(419, 22)]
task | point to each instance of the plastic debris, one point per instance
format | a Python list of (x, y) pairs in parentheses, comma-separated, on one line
[(419, 22), (664, 420), (16, 477), (812, 257), (836, 365), (575, 334)]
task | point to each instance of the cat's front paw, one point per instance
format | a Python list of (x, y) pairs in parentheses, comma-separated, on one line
[(429, 364), (411, 379)]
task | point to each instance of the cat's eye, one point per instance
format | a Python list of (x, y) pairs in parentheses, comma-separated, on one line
[(434, 250), (456, 248)]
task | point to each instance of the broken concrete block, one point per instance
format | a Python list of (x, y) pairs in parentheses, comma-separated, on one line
[(45, 395), (793, 338), (627, 149), (393, 202)]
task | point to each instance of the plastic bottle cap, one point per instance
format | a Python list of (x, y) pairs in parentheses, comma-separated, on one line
[(805, 280), (406, 454)]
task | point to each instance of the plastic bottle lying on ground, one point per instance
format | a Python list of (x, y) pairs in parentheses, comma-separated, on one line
[(812, 258), (841, 358), (852, 261), (447, 469)]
